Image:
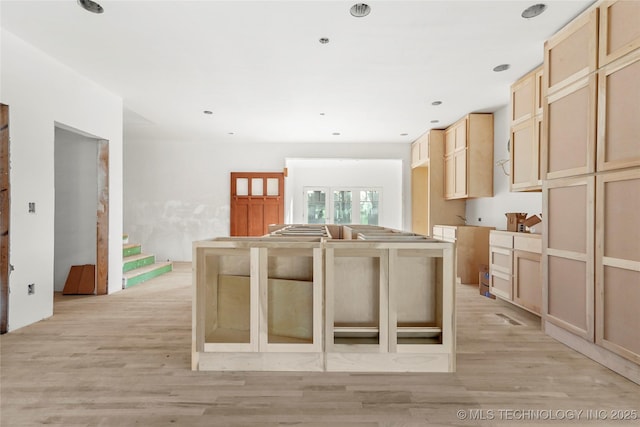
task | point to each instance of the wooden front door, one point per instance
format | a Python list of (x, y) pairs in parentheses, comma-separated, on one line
[(4, 217), (257, 200)]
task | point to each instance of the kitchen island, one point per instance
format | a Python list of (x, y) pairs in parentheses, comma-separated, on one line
[(324, 298)]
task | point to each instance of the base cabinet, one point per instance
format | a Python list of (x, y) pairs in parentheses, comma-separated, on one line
[(515, 269), (471, 248)]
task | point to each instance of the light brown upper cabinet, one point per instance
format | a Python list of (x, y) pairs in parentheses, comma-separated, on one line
[(526, 117), (619, 113), (619, 29), (469, 157), (523, 99), (428, 205), (569, 130), (571, 54), (420, 151)]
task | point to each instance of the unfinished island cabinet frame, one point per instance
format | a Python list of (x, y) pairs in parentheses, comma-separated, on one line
[(618, 263), (414, 327), (237, 324)]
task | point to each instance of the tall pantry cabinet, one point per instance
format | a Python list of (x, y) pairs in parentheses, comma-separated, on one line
[(591, 185)]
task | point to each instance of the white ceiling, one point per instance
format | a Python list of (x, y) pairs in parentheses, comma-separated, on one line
[(258, 65)]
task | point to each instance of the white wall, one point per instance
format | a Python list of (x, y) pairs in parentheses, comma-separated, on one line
[(491, 210), (180, 192), (385, 174), (41, 92), (76, 201)]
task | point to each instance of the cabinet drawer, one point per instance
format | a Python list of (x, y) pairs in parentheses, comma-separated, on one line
[(449, 233), (502, 240), (500, 260), (501, 286), (528, 243)]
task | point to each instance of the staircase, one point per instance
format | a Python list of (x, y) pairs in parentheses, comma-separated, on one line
[(138, 267)]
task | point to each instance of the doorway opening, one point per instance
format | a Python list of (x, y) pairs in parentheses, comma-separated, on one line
[(81, 205)]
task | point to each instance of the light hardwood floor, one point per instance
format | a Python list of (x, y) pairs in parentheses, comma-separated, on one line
[(124, 360)]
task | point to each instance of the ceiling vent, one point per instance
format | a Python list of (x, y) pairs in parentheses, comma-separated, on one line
[(91, 6), (360, 10)]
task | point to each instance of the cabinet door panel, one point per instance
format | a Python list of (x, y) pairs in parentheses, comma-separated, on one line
[(460, 178), (450, 141), (619, 29), (567, 218), (618, 262), (618, 113), (501, 286), (567, 294), (523, 163), (449, 177), (618, 215), (527, 281), (619, 314), (568, 268), (522, 99), (570, 130), (572, 52), (461, 135)]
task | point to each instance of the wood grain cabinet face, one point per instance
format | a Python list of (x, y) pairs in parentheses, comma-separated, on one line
[(619, 29), (527, 280), (619, 113), (420, 151), (568, 266), (618, 263), (571, 53), (469, 157), (526, 105), (523, 98), (570, 130)]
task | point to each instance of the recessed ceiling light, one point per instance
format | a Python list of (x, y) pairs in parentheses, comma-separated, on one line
[(436, 103), (360, 10), (435, 121), (324, 40), (404, 134), (207, 112), (90, 6), (501, 67), (336, 133), (533, 11)]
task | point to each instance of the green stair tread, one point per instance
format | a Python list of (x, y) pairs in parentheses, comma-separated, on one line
[(131, 249), (143, 274), (137, 261)]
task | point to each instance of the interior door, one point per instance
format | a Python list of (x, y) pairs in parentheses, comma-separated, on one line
[(257, 200)]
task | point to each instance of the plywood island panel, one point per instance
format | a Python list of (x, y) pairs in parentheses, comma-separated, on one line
[(376, 300)]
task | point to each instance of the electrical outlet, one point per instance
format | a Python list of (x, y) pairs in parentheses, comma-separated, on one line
[(31, 288), (32, 207), (479, 219)]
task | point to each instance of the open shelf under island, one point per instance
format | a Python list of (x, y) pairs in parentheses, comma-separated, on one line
[(324, 298)]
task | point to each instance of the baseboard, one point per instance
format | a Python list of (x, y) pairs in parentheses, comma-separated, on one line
[(618, 364)]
